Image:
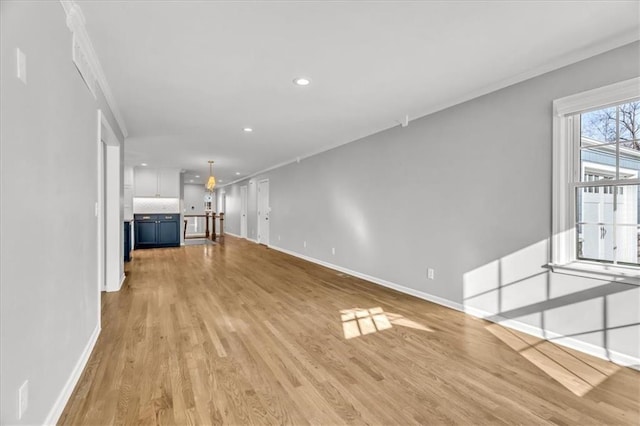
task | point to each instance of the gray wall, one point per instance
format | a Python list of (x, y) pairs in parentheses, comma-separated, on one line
[(466, 191), (49, 299), (193, 197)]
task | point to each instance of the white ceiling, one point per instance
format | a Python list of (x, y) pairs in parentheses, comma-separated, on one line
[(188, 76)]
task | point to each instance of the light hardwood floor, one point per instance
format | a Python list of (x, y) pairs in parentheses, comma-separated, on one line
[(240, 334)]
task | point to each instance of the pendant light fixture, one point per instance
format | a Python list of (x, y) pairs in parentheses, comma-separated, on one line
[(211, 183)]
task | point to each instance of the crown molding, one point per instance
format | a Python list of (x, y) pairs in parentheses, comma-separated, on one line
[(566, 60), (562, 61), (600, 97), (76, 24)]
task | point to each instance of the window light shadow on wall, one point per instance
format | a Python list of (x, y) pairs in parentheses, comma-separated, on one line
[(517, 290), (358, 322)]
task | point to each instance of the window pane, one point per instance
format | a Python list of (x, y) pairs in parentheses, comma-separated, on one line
[(630, 125), (599, 126), (595, 242), (627, 212), (598, 163), (594, 207), (628, 242), (629, 162)]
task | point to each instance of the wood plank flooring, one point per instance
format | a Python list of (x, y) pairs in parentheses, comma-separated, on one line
[(238, 334)]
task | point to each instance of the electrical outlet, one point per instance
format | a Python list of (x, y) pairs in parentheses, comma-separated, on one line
[(23, 399), (333, 251), (431, 274)]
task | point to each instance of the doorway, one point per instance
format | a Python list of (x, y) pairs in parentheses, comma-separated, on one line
[(263, 212), (243, 211)]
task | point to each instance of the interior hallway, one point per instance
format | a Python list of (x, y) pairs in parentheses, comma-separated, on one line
[(236, 333)]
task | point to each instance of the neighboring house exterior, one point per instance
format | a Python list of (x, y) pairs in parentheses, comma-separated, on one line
[(598, 217)]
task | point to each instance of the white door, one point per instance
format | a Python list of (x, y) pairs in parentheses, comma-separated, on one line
[(263, 212), (243, 211), (598, 230)]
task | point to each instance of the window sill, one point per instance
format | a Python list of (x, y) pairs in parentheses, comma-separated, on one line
[(599, 271)]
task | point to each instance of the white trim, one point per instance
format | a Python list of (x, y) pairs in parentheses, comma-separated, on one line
[(589, 51), (72, 381), (565, 177), (111, 290), (569, 342), (76, 24), (563, 232), (597, 98), (100, 211), (111, 241), (240, 237), (402, 289), (599, 271), (563, 61), (268, 169)]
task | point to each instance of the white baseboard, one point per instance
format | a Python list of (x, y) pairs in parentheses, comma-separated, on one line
[(569, 342), (238, 236), (65, 393), (588, 348), (111, 290), (402, 289)]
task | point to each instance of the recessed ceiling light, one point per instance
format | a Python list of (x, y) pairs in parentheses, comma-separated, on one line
[(302, 81), (197, 176), (191, 180), (237, 173), (144, 164), (248, 129)]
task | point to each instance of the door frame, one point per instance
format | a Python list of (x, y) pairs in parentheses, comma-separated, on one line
[(109, 208), (260, 222), (244, 200)]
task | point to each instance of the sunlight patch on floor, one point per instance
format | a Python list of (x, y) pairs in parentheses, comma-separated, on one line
[(358, 322), (576, 371)]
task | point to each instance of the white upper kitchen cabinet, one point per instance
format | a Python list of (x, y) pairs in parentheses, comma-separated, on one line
[(169, 183), (150, 182), (145, 182)]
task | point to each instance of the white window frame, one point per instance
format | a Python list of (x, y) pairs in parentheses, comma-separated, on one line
[(563, 240)]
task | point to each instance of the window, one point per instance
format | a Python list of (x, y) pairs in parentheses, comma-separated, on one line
[(596, 218)]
